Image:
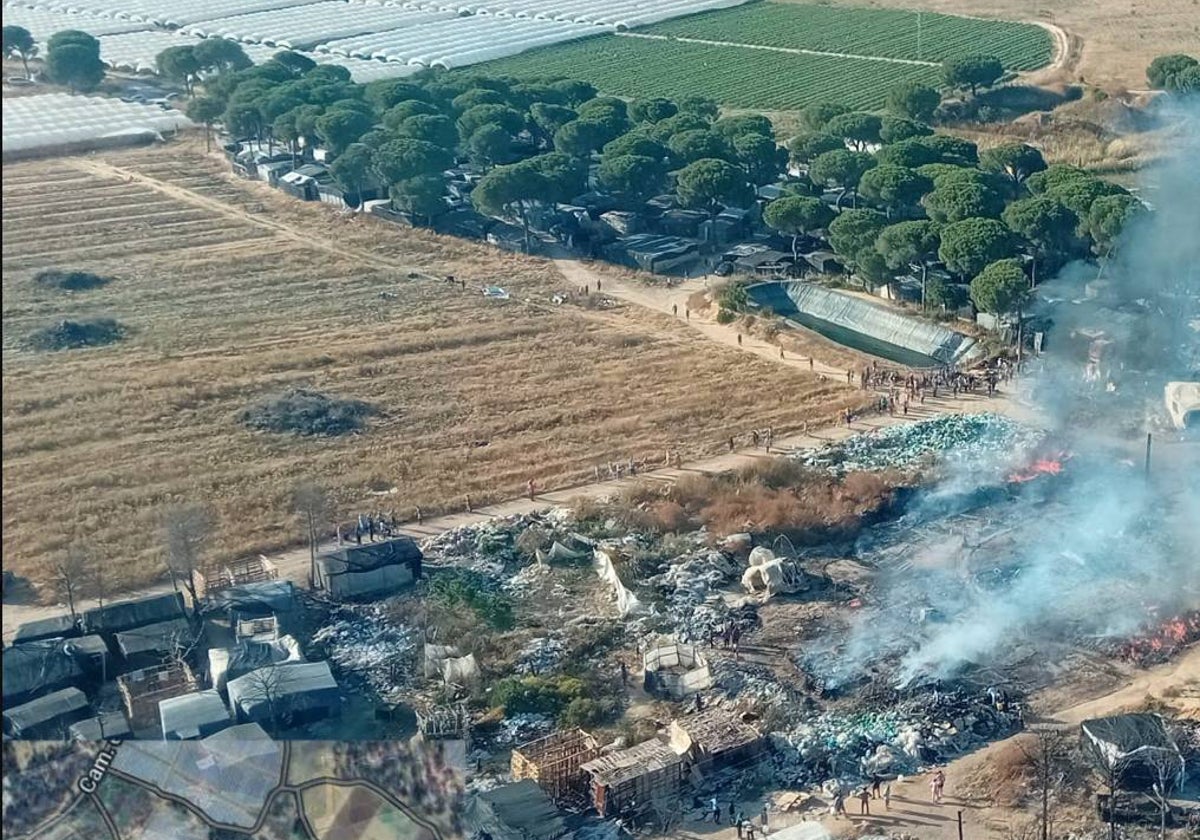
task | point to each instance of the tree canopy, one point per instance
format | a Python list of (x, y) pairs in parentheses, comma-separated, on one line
[(796, 216), (854, 232), (805, 147), (914, 100), (955, 200), (1000, 288), (691, 146), (841, 168), (894, 129), (635, 177), (972, 71), (652, 110), (73, 59), (857, 128), (1015, 161), (19, 43), (969, 245), (1164, 72), (896, 188), (709, 182), (815, 117)]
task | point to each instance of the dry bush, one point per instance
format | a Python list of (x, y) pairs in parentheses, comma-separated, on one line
[(69, 281), (304, 412), (74, 335), (669, 516)]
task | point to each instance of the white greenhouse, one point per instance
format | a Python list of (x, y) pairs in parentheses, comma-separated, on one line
[(57, 120)]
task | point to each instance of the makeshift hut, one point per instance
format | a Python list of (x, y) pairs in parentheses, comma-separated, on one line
[(102, 727), (675, 670), (147, 646), (122, 616), (714, 738), (236, 573), (57, 627), (47, 717), (292, 694), (142, 691), (195, 715), (91, 653), (1134, 746), (555, 761), (369, 569), (37, 668), (627, 781), (520, 811), (247, 655)]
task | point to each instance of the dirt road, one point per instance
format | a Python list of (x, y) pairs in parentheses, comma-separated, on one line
[(294, 565)]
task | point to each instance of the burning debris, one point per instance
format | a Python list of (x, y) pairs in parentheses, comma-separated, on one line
[(1161, 642), (953, 439)]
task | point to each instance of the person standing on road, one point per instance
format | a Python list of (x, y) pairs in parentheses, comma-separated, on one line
[(675, 309), (887, 797), (864, 801), (530, 487), (739, 339)]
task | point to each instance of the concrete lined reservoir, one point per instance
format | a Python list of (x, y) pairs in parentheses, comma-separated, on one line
[(865, 326)]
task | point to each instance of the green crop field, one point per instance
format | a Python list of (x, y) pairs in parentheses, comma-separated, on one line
[(875, 32), (747, 69), (734, 76)]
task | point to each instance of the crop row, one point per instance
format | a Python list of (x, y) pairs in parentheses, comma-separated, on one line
[(734, 76), (876, 32)]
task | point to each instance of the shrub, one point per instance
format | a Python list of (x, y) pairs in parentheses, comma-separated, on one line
[(71, 335), (581, 712), (304, 412), (537, 695), (70, 281), (469, 591), (725, 316)]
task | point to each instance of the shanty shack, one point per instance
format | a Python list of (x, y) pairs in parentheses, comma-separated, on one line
[(675, 670), (147, 646), (714, 738), (56, 627), (248, 655), (356, 571), (37, 668), (102, 727), (1136, 747), (627, 781), (130, 615), (46, 717), (195, 715), (520, 811), (293, 693), (92, 655), (555, 761)]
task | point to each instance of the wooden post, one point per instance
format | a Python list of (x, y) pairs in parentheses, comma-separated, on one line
[(960, 831), (1149, 439)]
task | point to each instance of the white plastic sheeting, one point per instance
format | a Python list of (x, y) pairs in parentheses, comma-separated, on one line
[(57, 119), (457, 42), (42, 23), (137, 51), (302, 27), (623, 14), (162, 12), (627, 602)]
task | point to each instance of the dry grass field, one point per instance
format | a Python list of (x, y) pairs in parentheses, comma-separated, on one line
[(231, 291), (1119, 37)]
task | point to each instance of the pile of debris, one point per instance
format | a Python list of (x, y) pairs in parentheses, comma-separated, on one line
[(487, 545), (367, 645), (962, 438), (690, 588), (901, 739), (541, 656)]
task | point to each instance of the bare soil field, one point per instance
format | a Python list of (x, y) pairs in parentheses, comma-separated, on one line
[(1119, 37), (230, 291)]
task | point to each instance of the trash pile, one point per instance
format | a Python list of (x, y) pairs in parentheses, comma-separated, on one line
[(693, 606), (541, 656), (488, 546), (901, 739), (520, 728), (365, 644), (969, 438), (757, 684)]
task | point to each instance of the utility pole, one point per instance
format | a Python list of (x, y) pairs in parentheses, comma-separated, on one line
[(1149, 440)]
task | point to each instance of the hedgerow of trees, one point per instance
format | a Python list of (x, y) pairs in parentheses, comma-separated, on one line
[(891, 196)]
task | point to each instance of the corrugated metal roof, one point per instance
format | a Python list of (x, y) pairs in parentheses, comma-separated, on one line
[(190, 715), (44, 709)]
